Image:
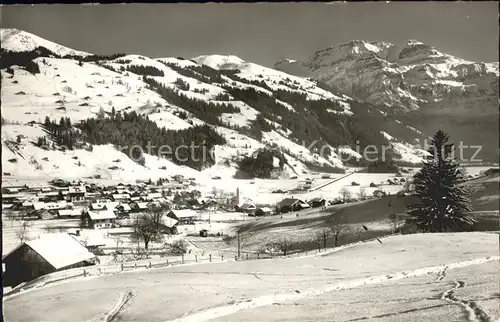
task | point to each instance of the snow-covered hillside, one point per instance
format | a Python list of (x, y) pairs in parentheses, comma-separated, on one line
[(84, 86), (19, 40), (434, 277), (407, 77)]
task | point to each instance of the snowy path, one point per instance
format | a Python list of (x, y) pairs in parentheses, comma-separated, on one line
[(297, 294)]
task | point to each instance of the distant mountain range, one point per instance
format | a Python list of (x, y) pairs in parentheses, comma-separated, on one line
[(423, 86), (347, 96)]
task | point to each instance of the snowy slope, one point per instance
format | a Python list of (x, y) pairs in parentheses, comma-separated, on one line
[(18, 40), (404, 279), (80, 90), (407, 77)]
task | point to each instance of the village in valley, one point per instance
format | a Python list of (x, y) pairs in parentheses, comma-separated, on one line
[(103, 219), (265, 162)]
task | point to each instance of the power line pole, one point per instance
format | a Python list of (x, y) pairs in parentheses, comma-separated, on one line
[(239, 245)]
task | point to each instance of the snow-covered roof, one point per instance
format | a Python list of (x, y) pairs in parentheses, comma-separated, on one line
[(121, 196), (184, 213), (60, 249), (169, 222), (103, 214), (50, 205), (69, 212)]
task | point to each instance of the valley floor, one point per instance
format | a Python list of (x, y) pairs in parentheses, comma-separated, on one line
[(427, 277)]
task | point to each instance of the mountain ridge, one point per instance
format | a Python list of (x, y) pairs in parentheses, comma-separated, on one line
[(253, 107)]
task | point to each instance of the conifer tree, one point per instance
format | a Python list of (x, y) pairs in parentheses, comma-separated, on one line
[(444, 205)]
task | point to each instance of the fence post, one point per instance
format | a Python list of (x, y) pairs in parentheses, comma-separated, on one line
[(84, 273), (247, 256), (258, 255), (182, 260), (121, 267), (167, 261), (210, 257), (196, 258)]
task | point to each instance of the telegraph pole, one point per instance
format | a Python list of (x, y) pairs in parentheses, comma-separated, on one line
[(239, 245)]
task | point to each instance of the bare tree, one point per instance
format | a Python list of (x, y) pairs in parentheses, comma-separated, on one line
[(148, 226), (362, 193), (338, 227), (21, 233), (322, 236), (284, 244), (345, 194)]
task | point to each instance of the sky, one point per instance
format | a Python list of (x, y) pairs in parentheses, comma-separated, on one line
[(260, 32)]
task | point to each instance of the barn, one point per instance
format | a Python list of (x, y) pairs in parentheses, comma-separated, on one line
[(50, 253)]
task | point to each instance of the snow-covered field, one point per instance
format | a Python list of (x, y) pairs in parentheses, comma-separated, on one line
[(407, 278)]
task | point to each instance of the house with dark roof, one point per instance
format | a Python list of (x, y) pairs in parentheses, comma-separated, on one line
[(50, 253), (317, 202), (292, 204)]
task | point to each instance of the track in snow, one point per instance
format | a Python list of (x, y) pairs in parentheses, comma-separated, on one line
[(266, 300)]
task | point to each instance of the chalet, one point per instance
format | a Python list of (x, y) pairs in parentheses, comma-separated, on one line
[(209, 204), (263, 211), (379, 194), (292, 204), (90, 239), (69, 213), (169, 225), (184, 217), (46, 189), (77, 193), (248, 208), (317, 202), (50, 253), (100, 219), (151, 196)]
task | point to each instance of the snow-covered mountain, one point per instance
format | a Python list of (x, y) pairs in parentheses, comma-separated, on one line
[(400, 77), (18, 40), (250, 106), (418, 84)]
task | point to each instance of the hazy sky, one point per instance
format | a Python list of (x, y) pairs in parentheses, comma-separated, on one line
[(260, 32)]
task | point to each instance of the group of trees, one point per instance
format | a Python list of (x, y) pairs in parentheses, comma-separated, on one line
[(143, 70), (63, 133), (205, 111), (132, 129), (260, 164)]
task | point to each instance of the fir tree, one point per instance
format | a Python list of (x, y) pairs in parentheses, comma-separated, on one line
[(444, 205)]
